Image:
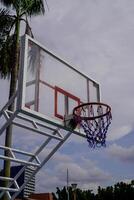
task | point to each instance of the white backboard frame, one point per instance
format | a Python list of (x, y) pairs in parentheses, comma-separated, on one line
[(22, 82)]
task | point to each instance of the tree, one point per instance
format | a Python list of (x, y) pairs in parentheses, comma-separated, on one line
[(54, 196), (11, 16), (62, 194), (80, 194), (120, 191)]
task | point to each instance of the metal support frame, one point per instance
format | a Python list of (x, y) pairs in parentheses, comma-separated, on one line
[(43, 163), (50, 132), (13, 157), (22, 117)]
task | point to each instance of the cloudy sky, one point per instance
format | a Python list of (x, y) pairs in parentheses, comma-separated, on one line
[(96, 37)]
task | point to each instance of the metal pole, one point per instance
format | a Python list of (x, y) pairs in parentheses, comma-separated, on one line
[(75, 194), (74, 185), (67, 185)]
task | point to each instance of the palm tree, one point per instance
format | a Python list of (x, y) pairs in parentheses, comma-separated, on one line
[(12, 14)]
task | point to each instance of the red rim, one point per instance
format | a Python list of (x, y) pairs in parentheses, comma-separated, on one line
[(92, 103)]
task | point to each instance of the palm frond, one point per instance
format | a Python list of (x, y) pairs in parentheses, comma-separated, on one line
[(7, 57), (6, 3), (32, 7), (6, 23)]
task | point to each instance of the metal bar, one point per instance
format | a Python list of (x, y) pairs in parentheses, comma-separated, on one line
[(47, 84), (35, 125), (41, 117), (6, 178), (29, 103), (19, 161), (20, 152), (59, 133), (88, 91), (57, 58), (88, 97), (6, 114), (30, 83), (55, 149), (37, 159), (9, 121), (32, 121), (36, 130), (67, 184), (11, 153), (45, 126), (22, 72), (31, 159), (8, 195), (17, 151), (43, 163), (16, 184), (9, 189), (3, 192), (8, 103), (66, 105), (98, 93), (37, 78)]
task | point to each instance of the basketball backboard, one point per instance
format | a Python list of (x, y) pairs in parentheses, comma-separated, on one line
[(51, 87)]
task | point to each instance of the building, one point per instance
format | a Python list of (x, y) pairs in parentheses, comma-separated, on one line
[(41, 196), (30, 187)]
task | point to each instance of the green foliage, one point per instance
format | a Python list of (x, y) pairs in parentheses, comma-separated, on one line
[(6, 2), (120, 191), (10, 18), (7, 57), (6, 23), (84, 194), (54, 196), (6, 42), (10, 21), (62, 194), (32, 7)]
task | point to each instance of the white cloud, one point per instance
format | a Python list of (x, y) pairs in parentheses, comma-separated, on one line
[(85, 173), (121, 153), (91, 186), (58, 157), (103, 30), (119, 132), (46, 182), (128, 181), (98, 37)]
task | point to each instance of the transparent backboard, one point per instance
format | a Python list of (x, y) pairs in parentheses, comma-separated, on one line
[(51, 88)]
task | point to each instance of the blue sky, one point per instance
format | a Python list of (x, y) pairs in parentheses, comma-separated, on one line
[(97, 37)]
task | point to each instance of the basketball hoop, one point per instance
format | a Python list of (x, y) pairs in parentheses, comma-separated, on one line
[(94, 118)]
